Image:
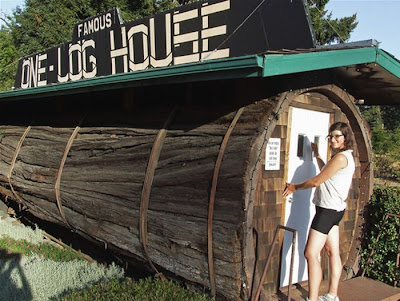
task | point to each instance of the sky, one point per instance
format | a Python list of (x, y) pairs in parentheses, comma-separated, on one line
[(378, 19)]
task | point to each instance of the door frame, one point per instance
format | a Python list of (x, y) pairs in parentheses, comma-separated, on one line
[(304, 106)]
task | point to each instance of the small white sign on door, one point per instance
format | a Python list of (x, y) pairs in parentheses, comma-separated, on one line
[(273, 154)]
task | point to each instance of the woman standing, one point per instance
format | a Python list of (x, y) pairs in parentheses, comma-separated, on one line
[(333, 185)]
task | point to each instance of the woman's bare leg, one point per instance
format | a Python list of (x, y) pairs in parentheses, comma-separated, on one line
[(335, 263), (315, 243)]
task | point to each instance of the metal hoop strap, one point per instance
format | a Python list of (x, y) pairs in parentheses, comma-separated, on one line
[(14, 159), (217, 166), (148, 181), (60, 170)]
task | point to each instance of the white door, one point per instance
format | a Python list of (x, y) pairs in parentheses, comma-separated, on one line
[(306, 126)]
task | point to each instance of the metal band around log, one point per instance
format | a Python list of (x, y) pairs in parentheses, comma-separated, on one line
[(211, 271), (148, 181), (60, 170), (14, 159)]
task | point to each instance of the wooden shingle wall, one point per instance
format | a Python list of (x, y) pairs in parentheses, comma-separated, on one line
[(269, 206)]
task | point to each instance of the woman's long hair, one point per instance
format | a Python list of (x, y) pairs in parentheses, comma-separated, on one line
[(346, 131)]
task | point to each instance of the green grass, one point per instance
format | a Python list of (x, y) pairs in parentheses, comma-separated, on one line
[(148, 289), (32, 268), (10, 247)]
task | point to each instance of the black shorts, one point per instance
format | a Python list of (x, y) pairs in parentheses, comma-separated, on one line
[(325, 219)]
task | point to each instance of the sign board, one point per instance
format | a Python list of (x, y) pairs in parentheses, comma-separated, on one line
[(105, 45), (273, 154)]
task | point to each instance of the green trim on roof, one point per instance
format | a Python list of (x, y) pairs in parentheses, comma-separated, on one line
[(228, 68), (388, 62), (266, 65), (294, 63)]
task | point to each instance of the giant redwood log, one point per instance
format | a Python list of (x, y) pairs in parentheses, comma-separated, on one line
[(101, 183), (182, 186)]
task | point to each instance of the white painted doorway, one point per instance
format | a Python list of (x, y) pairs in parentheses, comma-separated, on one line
[(306, 126)]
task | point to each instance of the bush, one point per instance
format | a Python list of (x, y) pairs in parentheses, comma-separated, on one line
[(386, 167), (382, 265)]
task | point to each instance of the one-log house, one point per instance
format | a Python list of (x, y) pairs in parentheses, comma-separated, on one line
[(179, 159)]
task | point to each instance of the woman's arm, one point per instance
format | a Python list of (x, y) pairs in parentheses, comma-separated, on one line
[(337, 163), (320, 162)]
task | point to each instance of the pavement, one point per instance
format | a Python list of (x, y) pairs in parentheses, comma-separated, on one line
[(354, 289)]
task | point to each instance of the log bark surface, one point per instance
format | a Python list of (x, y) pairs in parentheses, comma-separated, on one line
[(102, 181)]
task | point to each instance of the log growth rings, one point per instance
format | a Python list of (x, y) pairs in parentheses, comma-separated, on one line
[(211, 203), (148, 181), (14, 159)]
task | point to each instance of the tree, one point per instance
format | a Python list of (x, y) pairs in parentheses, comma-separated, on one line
[(328, 30), (390, 116), (8, 60)]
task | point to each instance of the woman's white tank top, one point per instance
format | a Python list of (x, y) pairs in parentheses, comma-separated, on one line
[(332, 194)]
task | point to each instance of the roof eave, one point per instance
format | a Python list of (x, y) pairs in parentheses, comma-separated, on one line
[(312, 61), (228, 68), (347, 63)]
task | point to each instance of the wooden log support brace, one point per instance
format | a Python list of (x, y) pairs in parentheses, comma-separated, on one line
[(212, 200), (148, 181), (264, 274), (12, 164), (60, 170)]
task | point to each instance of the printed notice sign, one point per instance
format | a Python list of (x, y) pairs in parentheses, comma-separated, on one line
[(272, 154)]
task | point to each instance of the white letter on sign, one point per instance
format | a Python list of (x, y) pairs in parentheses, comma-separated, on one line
[(145, 33), (118, 52), (207, 33), (186, 37)]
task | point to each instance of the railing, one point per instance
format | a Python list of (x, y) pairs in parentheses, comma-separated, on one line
[(279, 227), (377, 240)]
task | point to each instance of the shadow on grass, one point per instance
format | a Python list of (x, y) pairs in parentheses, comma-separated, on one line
[(14, 285)]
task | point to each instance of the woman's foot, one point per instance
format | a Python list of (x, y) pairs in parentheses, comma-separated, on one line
[(328, 297)]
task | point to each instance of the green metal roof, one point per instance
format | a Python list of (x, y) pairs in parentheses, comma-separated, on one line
[(382, 68), (311, 61)]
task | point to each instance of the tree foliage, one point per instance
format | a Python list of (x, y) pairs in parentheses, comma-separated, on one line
[(8, 60), (385, 129), (328, 30), (390, 117)]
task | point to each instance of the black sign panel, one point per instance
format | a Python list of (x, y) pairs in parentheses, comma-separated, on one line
[(104, 45)]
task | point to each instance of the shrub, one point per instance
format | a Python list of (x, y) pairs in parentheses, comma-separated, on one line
[(382, 265), (19, 232), (143, 290), (386, 167), (35, 278)]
